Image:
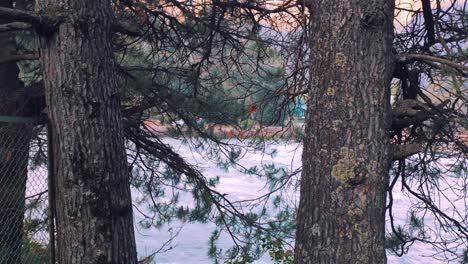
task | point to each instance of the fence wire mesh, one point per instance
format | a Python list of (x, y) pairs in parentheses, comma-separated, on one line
[(24, 234)]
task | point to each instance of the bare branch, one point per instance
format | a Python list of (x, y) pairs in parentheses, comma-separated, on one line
[(403, 151), (409, 108), (16, 15), (423, 57), (301, 92)]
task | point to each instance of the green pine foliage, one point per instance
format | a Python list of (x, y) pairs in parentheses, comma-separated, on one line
[(34, 252)]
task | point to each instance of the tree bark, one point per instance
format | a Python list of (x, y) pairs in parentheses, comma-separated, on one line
[(14, 153), (341, 216), (93, 201)]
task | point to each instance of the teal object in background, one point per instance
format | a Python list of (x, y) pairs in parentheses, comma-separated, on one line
[(299, 109)]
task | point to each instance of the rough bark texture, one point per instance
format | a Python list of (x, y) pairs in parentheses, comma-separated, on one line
[(14, 152), (341, 216), (93, 202)]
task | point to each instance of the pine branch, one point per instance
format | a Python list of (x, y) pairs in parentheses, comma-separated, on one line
[(19, 57), (411, 112), (14, 26), (423, 57), (44, 23), (126, 28)]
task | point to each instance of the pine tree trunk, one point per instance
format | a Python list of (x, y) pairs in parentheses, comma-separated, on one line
[(14, 153), (341, 216), (94, 210)]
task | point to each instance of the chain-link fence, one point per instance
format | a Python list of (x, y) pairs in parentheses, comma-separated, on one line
[(24, 221)]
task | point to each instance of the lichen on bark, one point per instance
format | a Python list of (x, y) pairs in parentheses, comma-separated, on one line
[(344, 168)]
